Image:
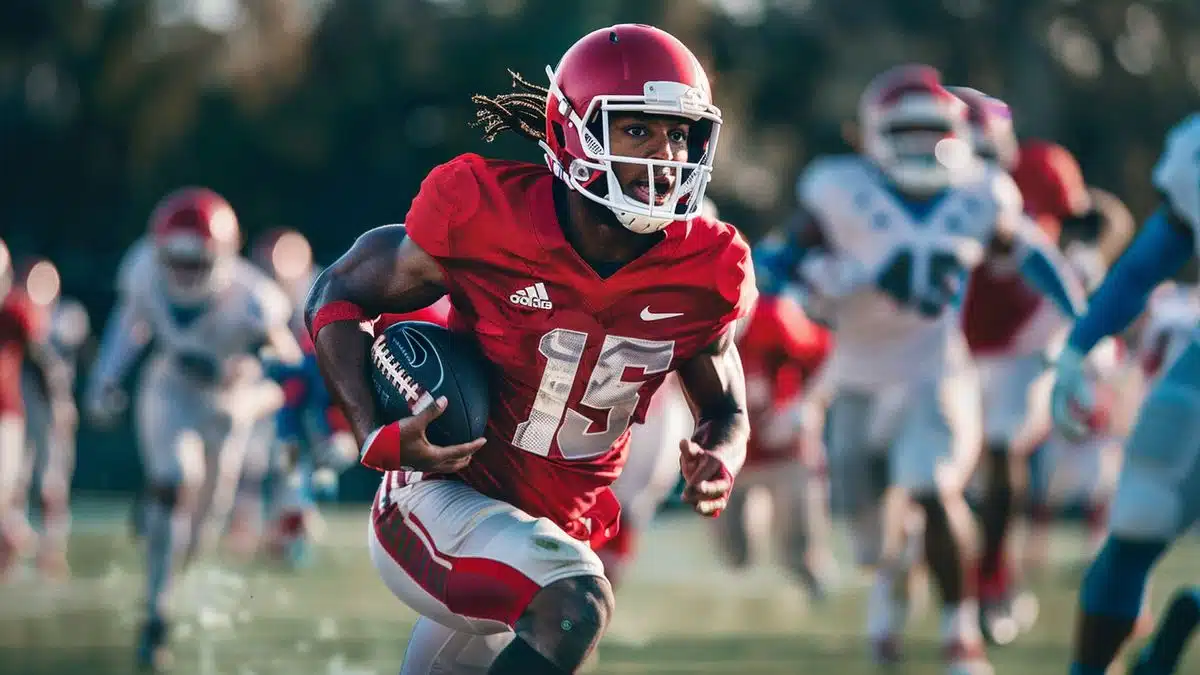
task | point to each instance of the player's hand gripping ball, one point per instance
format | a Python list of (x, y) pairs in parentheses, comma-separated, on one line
[(431, 388)]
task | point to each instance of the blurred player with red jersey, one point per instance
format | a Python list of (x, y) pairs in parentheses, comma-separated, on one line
[(585, 281), (1009, 326), (782, 350), (22, 336)]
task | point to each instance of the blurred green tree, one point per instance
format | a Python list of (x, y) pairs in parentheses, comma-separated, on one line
[(324, 115)]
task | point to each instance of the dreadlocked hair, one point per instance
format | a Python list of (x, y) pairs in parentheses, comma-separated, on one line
[(522, 111)]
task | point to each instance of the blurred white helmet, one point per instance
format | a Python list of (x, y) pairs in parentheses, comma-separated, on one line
[(990, 119), (914, 129)]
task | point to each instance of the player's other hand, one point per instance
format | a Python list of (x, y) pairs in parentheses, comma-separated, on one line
[(707, 481), (402, 445), (1072, 400)]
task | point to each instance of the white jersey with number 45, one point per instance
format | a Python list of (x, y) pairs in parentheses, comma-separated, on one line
[(905, 326)]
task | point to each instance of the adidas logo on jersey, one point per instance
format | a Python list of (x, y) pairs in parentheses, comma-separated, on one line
[(532, 296)]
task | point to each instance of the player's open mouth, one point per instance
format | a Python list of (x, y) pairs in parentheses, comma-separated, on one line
[(640, 190)]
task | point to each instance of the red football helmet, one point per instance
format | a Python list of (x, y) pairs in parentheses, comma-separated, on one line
[(6, 271), (622, 69), (40, 280), (196, 241), (914, 129), (991, 124)]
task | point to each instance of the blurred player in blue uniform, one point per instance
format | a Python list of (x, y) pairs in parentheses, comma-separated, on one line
[(1158, 494)]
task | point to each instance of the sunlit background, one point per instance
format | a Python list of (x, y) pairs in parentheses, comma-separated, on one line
[(324, 115)]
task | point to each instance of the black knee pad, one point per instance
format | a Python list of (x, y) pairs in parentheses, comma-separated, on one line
[(566, 619)]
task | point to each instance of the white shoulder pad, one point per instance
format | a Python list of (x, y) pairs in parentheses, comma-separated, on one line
[(1005, 192), (826, 179), (136, 269), (269, 303), (1177, 174)]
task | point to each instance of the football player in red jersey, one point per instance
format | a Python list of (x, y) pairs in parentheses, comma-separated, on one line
[(1009, 327), (22, 339), (50, 425), (782, 350), (585, 281)]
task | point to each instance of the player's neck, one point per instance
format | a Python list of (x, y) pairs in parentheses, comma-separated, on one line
[(594, 232)]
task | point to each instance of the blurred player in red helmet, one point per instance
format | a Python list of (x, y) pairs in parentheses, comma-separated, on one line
[(492, 542), (23, 341), (881, 246), (51, 425)]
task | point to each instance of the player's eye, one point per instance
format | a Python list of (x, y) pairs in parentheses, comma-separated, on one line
[(679, 135), (637, 130)]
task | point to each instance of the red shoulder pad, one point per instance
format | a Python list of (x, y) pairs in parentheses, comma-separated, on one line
[(449, 197)]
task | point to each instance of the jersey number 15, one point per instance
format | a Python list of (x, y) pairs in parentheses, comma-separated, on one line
[(551, 419)]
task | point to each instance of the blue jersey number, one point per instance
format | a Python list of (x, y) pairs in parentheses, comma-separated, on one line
[(943, 285)]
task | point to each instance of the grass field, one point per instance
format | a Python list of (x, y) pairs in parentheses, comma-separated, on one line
[(678, 613)]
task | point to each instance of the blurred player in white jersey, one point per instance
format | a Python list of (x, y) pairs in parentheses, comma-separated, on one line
[(50, 431), (883, 245), (210, 314)]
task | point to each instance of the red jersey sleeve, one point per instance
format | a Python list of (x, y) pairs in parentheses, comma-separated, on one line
[(25, 317), (803, 342), (736, 282), (449, 196)]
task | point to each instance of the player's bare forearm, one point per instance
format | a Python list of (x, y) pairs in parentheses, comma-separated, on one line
[(383, 272), (126, 337), (716, 385), (283, 345), (50, 371)]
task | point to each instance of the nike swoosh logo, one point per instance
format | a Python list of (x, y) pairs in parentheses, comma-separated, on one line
[(647, 315)]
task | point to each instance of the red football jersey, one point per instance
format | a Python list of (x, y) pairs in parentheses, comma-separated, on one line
[(577, 356), (999, 304), (780, 348), (19, 327)]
